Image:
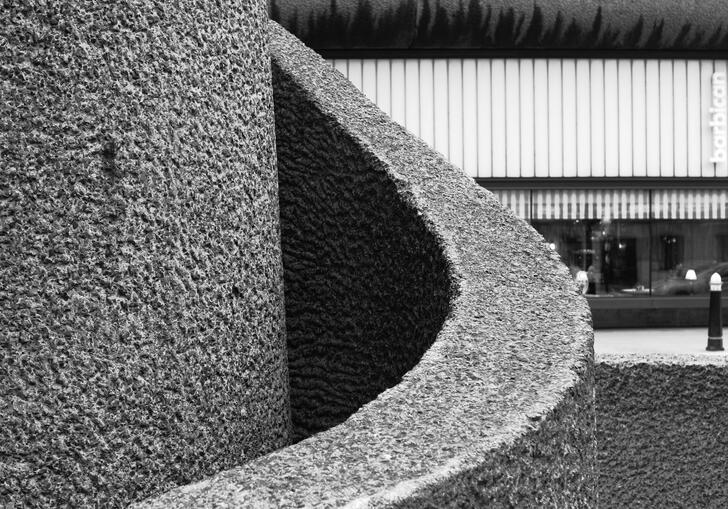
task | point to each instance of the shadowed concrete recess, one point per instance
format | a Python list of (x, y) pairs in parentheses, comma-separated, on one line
[(141, 291), (480, 335), (661, 430)]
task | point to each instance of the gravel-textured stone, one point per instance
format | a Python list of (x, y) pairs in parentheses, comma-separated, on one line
[(661, 430), (141, 318), (499, 410)]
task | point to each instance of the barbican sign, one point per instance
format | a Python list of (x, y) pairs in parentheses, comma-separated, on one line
[(718, 121)]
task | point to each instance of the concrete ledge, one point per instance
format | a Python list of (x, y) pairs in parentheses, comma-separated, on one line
[(499, 409), (661, 430)]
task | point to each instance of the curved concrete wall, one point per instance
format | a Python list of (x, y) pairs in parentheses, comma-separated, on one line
[(661, 430), (498, 410), (141, 317), (366, 282)]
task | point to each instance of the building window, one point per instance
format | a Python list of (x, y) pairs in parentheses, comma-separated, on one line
[(632, 242)]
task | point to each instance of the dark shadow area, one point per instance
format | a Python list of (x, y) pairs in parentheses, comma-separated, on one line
[(366, 283)]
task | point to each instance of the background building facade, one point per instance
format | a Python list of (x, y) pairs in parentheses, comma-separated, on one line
[(605, 129)]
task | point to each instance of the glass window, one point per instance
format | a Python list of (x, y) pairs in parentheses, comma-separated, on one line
[(632, 242)]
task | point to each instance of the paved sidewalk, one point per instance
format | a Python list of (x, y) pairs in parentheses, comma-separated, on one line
[(669, 341)]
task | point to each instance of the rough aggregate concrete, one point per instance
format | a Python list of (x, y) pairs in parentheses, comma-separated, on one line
[(661, 430), (366, 283), (141, 310), (501, 404)]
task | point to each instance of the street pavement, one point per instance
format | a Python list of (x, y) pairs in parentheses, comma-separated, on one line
[(667, 341)]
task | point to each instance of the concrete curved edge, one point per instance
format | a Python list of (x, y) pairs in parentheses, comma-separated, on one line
[(500, 409)]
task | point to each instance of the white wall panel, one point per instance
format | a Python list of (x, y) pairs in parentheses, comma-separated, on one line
[(555, 129), (498, 113), (470, 118), (667, 121), (652, 82), (513, 118), (680, 112), (553, 117), (427, 101), (625, 118), (485, 118), (597, 118), (397, 91), (441, 101), (568, 107), (706, 99), (354, 72), (583, 118), (527, 124), (694, 114), (455, 110), (385, 81), (639, 122), (541, 108), (611, 118), (412, 95), (369, 80), (721, 170)]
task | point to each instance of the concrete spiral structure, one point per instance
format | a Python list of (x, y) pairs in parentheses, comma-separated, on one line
[(438, 351), (482, 339), (141, 291)]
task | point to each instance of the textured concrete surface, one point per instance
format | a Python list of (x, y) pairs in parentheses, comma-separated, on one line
[(141, 319), (661, 430), (366, 282), (501, 404)]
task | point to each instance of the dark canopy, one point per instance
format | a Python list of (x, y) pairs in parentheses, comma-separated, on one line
[(642, 25)]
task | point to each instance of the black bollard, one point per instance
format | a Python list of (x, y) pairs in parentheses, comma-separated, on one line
[(715, 324)]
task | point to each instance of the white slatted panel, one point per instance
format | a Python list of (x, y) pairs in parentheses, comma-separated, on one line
[(518, 200), (455, 110), (639, 119), (440, 99), (597, 118), (397, 90), (470, 118), (412, 89), (427, 101), (541, 122), (625, 164), (513, 118), (611, 118), (568, 107), (680, 112), (498, 116), (652, 92), (385, 80), (721, 170), (485, 118), (527, 124), (592, 204), (690, 204), (706, 73), (555, 126), (552, 117), (583, 118), (694, 118), (667, 123)]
